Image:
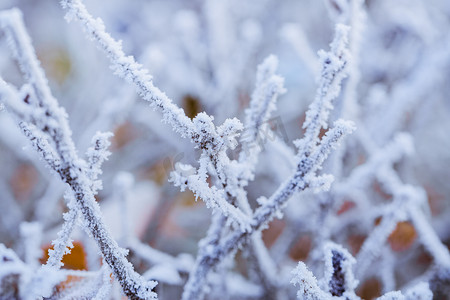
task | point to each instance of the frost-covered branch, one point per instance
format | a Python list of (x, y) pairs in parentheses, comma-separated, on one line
[(311, 155), (338, 280), (416, 196), (294, 34), (338, 271), (63, 243), (429, 238), (127, 68), (96, 155), (371, 249), (334, 64), (213, 197), (263, 103), (31, 234), (50, 124), (93, 285), (308, 287), (234, 175), (213, 141), (361, 176), (376, 195), (21, 280)]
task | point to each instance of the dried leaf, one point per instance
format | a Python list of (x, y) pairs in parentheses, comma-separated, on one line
[(402, 237)]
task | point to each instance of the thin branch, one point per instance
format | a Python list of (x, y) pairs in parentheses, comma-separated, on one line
[(127, 68), (53, 125)]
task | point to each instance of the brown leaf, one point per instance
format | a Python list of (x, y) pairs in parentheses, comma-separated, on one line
[(370, 289), (191, 106), (300, 250), (123, 134), (346, 206), (355, 241), (270, 235), (23, 180)]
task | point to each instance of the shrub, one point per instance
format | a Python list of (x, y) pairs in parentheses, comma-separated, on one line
[(357, 198)]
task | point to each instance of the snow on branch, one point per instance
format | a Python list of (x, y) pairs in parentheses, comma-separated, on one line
[(394, 213), (263, 103), (90, 285), (407, 205), (20, 280), (417, 198), (296, 36), (31, 234), (96, 155), (213, 141), (127, 68), (401, 145), (267, 88), (163, 267), (234, 176), (206, 259), (420, 292), (20, 44), (334, 70), (308, 288), (338, 280), (213, 197), (63, 243), (311, 155), (204, 58), (338, 271), (429, 238), (51, 126), (394, 295), (439, 283)]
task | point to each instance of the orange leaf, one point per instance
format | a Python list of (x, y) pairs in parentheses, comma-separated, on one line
[(75, 260), (403, 236)]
